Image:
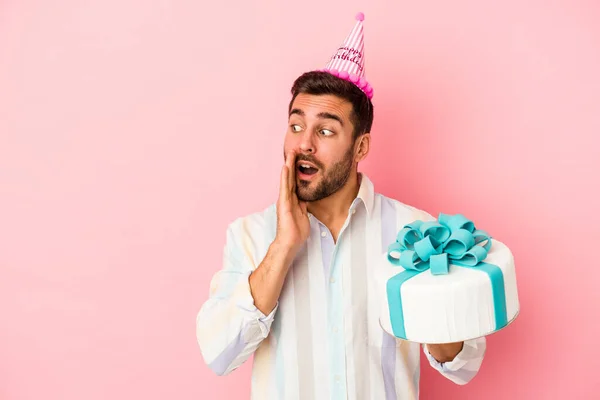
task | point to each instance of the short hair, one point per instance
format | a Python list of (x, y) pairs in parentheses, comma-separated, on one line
[(320, 83)]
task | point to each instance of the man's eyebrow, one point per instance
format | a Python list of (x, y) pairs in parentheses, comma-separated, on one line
[(327, 115), (323, 115), (297, 111)]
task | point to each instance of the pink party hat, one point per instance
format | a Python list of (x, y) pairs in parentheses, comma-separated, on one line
[(348, 62)]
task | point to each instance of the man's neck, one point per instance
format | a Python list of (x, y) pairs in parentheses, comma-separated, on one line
[(333, 210)]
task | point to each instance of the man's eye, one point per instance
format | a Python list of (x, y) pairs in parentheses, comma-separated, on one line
[(326, 132), (296, 128)]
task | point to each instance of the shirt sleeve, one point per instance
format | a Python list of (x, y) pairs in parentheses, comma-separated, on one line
[(229, 327), (465, 365)]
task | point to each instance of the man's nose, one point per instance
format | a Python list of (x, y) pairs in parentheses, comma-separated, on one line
[(307, 144)]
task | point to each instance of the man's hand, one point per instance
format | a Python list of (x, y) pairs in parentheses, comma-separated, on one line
[(445, 352), (293, 226)]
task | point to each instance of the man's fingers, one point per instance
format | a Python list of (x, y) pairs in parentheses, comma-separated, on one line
[(283, 184), (290, 162)]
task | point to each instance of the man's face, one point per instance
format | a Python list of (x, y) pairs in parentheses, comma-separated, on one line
[(320, 131)]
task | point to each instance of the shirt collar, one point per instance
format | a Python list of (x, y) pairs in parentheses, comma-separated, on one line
[(366, 193)]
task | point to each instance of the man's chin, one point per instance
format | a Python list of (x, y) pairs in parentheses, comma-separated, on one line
[(305, 193), (305, 185), (304, 196)]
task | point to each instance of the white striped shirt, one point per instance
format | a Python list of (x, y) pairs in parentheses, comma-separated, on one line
[(323, 339)]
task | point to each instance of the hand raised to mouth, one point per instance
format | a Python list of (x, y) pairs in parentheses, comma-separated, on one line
[(293, 226)]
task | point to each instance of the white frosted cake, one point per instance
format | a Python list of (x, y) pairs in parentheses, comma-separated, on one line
[(458, 283)]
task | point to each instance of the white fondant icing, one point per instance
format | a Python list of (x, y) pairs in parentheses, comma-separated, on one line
[(453, 307)]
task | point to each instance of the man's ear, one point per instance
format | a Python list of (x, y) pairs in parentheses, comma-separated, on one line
[(363, 143)]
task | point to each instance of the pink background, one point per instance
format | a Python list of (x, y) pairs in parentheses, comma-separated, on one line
[(132, 132)]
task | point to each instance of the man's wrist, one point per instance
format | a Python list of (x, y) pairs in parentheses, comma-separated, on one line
[(283, 253)]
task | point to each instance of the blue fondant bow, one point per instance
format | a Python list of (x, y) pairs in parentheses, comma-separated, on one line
[(434, 245), (423, 245)]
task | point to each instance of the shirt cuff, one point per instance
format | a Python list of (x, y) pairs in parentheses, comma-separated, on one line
[(259, 323)]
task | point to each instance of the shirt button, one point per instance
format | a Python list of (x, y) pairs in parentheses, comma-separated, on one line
[(323, 234), (335, 329), (337, 378), (354, 211), (332, 280)]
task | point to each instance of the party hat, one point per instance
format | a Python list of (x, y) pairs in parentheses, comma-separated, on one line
[(348, 62)]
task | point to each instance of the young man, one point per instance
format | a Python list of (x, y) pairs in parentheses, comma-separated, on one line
[(297, 287)]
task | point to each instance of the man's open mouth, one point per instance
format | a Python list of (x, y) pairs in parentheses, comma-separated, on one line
[(306, 168)]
